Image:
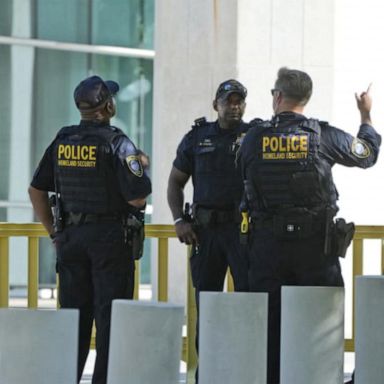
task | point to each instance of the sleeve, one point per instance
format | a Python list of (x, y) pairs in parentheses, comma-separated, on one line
[(133, 178), (44, 177), (185, 154), (342, 148)]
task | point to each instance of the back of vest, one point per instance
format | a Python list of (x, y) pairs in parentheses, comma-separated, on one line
[(286, 171), (84, 176)]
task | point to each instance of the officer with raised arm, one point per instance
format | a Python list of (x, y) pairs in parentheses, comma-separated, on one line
[(286, 165)]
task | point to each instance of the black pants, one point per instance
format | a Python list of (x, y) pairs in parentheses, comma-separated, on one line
[(274, 263), (219, 248), (95, 267)]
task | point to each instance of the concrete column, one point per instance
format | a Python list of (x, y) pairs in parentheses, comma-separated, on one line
[(38, 346), (22, 63), (369, 329), (233, 338), (145, 344), (312, 335)]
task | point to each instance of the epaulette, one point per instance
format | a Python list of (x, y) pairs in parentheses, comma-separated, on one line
[(200, 121), (323, 123), (255, 121)]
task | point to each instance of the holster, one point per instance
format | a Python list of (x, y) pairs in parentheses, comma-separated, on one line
[(135, 235), (342, 236), (57, 213)]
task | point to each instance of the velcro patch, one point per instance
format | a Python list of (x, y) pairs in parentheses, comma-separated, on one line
[(360, 148), (134, 165)]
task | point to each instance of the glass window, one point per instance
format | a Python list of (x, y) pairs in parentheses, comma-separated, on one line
[(62, 20), (123, 23), (5, 17), (47, 93), (102, 22), (56, 76)]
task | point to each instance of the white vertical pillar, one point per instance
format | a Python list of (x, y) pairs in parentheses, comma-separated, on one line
[(145, 343), (369, 329), (22, 64), (312, 335), (38, 346), (233, 338)]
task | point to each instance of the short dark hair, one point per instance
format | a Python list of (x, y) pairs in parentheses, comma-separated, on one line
[(294, 85)]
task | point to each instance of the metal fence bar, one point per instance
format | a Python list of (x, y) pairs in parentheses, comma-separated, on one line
[(4, 272), (162, 274), (162, 232), (33, 272)]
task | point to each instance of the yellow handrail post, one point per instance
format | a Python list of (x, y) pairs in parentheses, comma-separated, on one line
[(33, 271), (230, 283), (4, 272), (191, 326), (162, 282), (382, 257), (137, 280)]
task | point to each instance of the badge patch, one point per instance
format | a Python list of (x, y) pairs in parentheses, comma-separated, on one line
[(134, 165), (360, 148)]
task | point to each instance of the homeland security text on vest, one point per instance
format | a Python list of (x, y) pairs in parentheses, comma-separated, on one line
[(76, 155), (288, 147)]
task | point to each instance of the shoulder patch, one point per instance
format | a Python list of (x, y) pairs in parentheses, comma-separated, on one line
[(134, 165), (360, 148)]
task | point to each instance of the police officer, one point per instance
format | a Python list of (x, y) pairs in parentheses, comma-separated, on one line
[(207, 153), (287, 165), (99, 181)]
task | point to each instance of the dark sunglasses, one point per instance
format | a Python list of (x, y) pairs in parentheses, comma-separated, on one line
[(273, 90)]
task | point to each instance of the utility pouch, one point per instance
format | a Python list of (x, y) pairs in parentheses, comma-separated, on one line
[(57, 212), (292, 227), (342, 236), (135, 228)]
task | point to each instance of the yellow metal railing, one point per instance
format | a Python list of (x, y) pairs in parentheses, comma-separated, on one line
[(33, 231)]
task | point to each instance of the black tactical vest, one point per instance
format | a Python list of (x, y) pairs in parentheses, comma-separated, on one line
[(287, 172), (217, 182), (83, 157)]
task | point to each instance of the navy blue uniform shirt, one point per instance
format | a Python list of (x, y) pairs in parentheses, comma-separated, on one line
[(208, 153)]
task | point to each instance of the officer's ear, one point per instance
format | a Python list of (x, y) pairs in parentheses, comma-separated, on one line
[(110, 107), (214, 104)]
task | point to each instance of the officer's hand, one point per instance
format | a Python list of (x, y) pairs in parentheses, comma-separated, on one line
[(144, 159), (185, 233), (364, 101)]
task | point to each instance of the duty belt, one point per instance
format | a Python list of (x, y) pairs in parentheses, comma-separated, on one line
[(72, 218), (290, 227), (206, 216)]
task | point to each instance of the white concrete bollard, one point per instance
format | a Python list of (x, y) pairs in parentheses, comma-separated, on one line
[(145, 343), (369, 330), (312, 335), (38, 346), (233, 338)]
